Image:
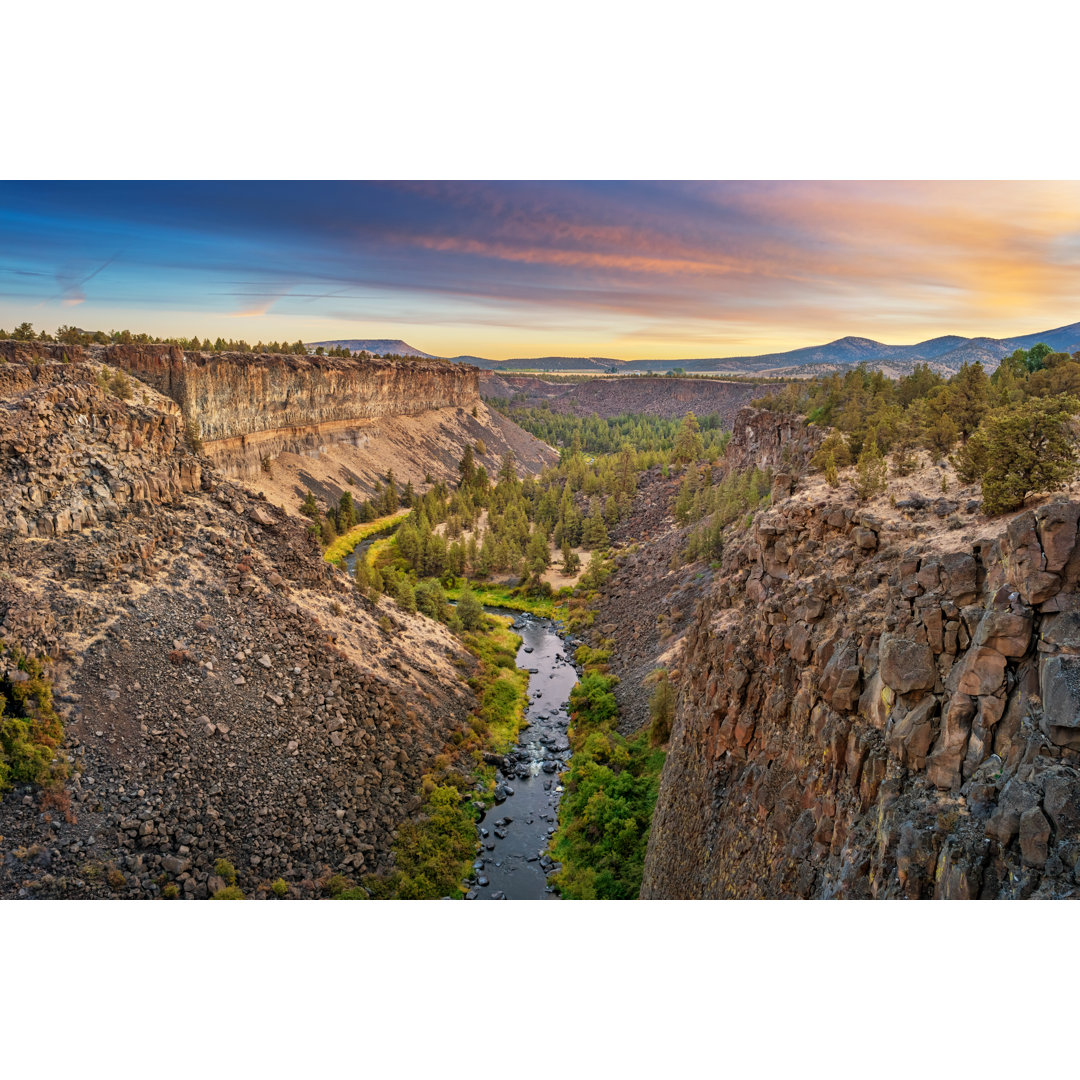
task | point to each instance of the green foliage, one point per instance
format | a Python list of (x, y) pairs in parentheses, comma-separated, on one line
[(171, 891), (640, 432), (871, 470), (611, 789), (661, 708), (832, 476), (31, 731), (347, 542), (688, 443), (226, 871), (432, 854), (834, 446), (404, 595), (719, 503), (431, 600), (470, 610), (501, 686), (120, 385), (1020, 450), (280, 888), (230, 892)]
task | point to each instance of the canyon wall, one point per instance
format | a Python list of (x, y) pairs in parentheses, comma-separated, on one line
[(247, 408), (608, 397), (872, 706), (226, 694)]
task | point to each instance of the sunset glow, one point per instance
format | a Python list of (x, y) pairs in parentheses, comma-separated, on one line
[(626, 269)]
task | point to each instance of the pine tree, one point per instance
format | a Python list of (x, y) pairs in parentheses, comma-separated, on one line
[(871, 470), (832, 476), (1021, 450), (688, 442)]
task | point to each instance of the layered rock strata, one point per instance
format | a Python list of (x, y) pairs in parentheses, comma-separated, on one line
[(248, 408), (225, 693)]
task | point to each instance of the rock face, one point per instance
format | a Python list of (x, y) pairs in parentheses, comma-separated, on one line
[(885, 719), (225, 693), (248, 408), (767, 440), (670, 398)]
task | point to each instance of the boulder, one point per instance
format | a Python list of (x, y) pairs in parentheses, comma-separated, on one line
[(911, 736), (943, 765), (982, 672), (840, 681), (1034, 837), (1061, 802), (1057, 532), (1005, 632), (906, 665), (1059, 686), (1062, 630)]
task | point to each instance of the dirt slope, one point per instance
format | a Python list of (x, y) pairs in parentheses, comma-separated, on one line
[(226, 693)]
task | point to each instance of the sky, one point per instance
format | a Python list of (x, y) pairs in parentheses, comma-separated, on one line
[(636, 270)]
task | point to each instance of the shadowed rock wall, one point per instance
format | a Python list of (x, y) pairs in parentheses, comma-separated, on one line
[(868, 714)]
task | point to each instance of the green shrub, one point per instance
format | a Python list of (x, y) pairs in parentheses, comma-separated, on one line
[(30, 728), (171, 891), (230, 893), (226, 871), (1021, 450), (280, 888)]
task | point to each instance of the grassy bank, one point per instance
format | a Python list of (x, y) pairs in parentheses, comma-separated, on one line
[(609, 797), (343, 545), (434, 853), (505, 596)]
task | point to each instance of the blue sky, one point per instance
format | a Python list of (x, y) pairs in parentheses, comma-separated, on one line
[(499, 269)]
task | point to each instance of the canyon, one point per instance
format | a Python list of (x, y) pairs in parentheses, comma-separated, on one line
[(874, 700), (872, 705), (225, 693)]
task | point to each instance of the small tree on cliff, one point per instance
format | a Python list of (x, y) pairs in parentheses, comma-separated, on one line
[(661, 708), (834, 445), (832, 476), (467, 467), (871, 469), (1020, 450)]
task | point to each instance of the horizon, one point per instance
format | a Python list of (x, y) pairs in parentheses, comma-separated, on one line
[(502, 270)]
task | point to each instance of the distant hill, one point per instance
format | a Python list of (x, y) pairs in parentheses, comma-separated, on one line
[(945, 354), (375, 346)]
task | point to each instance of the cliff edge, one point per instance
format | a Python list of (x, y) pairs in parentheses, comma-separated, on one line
[(870, 707)]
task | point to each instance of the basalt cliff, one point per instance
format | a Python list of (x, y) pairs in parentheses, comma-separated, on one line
[(876, 701), (225, 693)]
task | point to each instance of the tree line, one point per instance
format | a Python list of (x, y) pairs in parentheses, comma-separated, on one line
[(1011, 431)]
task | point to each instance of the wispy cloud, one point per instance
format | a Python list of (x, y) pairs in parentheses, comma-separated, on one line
[(687, 268)]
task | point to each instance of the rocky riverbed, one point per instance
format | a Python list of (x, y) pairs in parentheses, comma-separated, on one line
[(513, 863)]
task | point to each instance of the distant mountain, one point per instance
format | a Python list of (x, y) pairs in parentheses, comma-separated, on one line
[(375, 346), (945, 354)]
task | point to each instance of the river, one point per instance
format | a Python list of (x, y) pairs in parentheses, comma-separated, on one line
[(512, 863), (361, 549), (514, 834)]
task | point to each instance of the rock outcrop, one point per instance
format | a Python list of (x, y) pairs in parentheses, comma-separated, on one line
[(225, 693), (867, 711), (247, 408)]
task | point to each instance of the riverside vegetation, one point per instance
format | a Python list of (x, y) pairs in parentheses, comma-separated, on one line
[(509, 525)]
